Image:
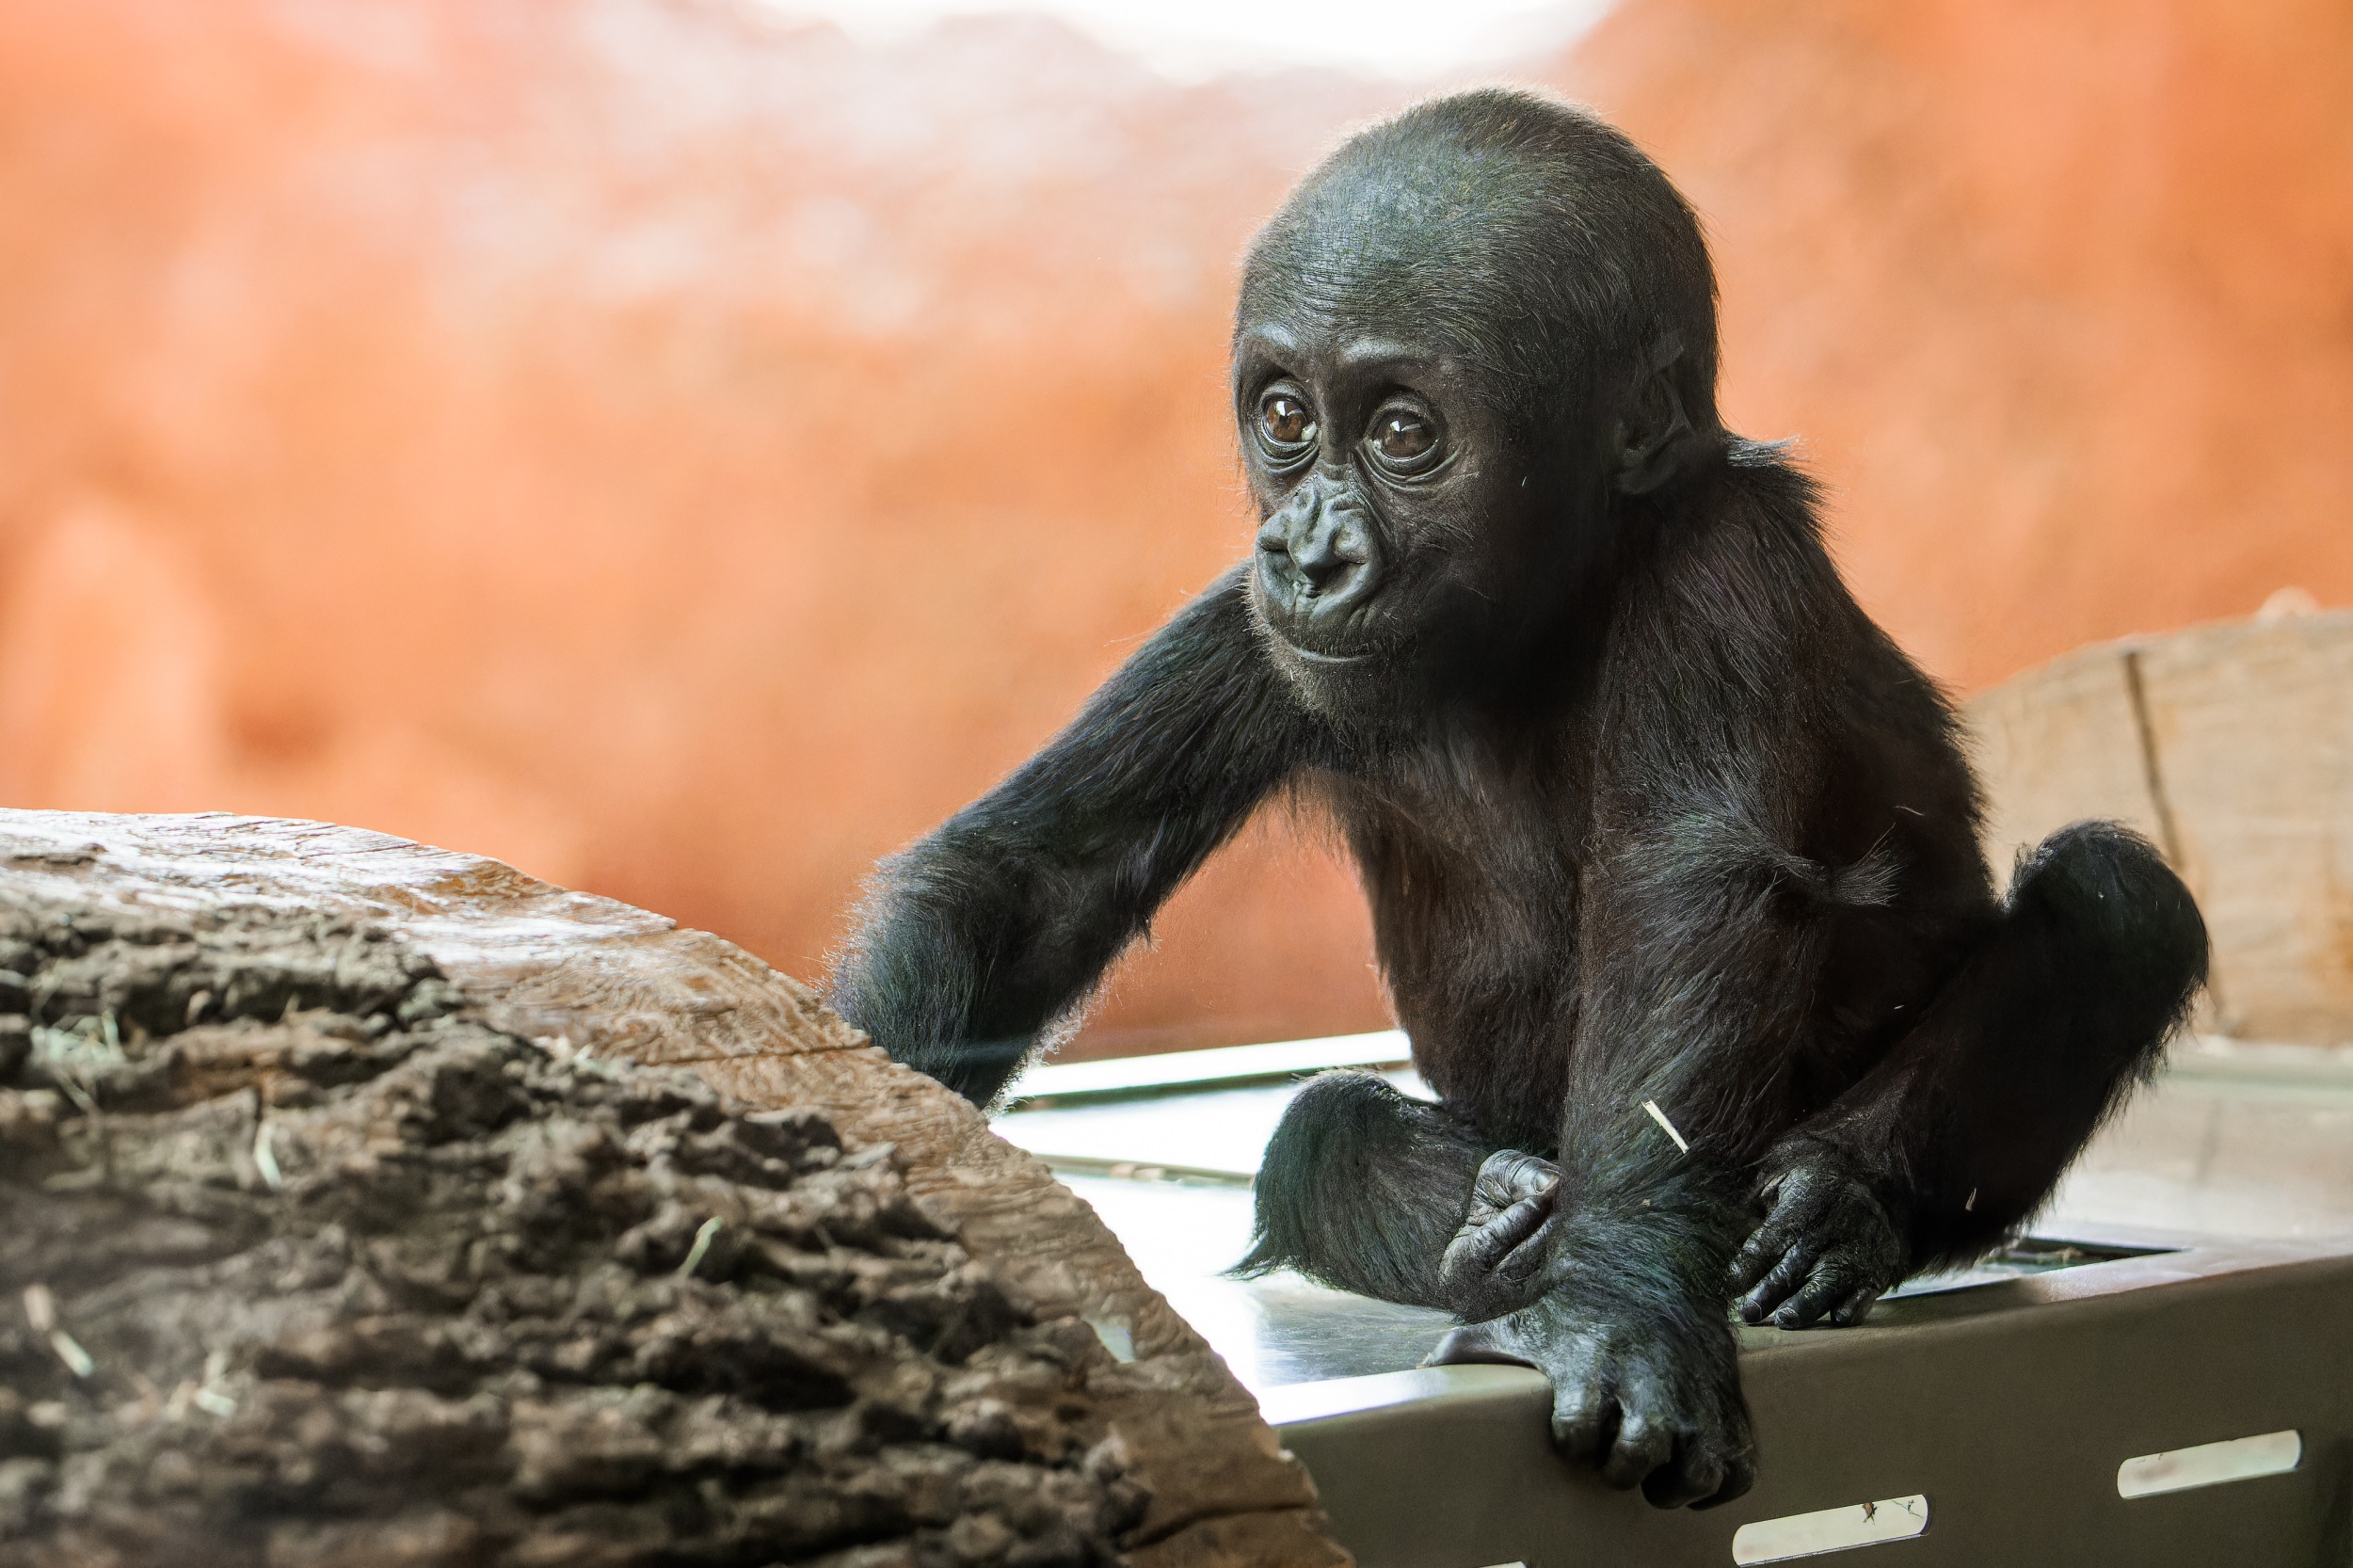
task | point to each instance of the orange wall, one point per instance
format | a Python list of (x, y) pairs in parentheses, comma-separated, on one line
[(2057, 293), (689, 456)]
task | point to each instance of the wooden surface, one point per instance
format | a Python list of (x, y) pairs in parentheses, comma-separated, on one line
[(2231, 746), (576, 973)]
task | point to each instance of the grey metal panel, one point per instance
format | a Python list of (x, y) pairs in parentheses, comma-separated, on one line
[(2009, 1406)]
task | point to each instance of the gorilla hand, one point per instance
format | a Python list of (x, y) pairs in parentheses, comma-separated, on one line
[(1653, 1399), (1826, 1250), (1493, 1265)]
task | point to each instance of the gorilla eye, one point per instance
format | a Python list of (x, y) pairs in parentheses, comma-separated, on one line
[(1402, 438), (1283, 424)]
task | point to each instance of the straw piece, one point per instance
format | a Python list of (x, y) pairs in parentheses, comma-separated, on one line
[(702, 1244), (1660, 1117), (76, 1359)]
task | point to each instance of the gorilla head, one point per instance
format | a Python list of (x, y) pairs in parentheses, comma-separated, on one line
[(1468, 347)]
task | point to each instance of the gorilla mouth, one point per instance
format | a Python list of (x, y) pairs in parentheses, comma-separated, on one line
[(1327, 661), (1343, 643), (1352, 654)]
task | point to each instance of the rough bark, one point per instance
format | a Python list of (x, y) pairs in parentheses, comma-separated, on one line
[(369, 1204)]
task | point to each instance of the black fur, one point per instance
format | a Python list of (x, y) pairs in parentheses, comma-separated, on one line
[(1648, 811)]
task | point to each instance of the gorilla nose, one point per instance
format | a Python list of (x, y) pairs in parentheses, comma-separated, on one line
[(1325, 556), (1318, 559)]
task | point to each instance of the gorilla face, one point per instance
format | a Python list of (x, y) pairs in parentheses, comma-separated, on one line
[(1400, 547), (1471, 354)]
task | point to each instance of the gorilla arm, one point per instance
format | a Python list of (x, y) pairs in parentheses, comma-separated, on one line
[(1689, 977), (1701, 934), (993, 929)]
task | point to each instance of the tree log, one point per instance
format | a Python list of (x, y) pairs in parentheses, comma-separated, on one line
[(370, 1204)]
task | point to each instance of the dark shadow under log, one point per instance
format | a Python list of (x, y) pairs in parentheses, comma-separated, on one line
[(370, 1204)]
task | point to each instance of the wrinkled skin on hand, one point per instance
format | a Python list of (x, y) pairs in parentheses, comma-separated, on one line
[(1653, 1400), (1825, 1252), (1495, 1262), (1649, 1394)]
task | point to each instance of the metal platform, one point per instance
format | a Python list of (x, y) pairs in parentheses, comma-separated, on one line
[(2191, 1286)]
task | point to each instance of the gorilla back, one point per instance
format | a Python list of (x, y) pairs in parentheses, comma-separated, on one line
[(1671, 853)]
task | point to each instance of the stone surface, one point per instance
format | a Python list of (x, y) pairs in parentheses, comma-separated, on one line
[(360, 1201)]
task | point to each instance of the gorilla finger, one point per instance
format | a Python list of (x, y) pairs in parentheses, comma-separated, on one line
[(1518, 1222), (1483, 1276), (1781, 1246), (1694, 1475), (1829, 1284), (1584, 1423), (1508, 1177), (1479, 1248), (1762, 1250), (1856, 1306), (1642, 1448), (1529, 1258), (1775, 1288), (1767, 1245), (1739, 1475)]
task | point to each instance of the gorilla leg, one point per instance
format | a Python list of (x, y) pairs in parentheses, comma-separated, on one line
[(1962, 1132), (1367, 1189), (2098, 958)]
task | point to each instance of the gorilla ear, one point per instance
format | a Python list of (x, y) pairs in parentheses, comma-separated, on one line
[(1654, 439)]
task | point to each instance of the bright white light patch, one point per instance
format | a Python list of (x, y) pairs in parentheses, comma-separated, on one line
[(2209, 1465), (1833, 1529), (1410, 40)]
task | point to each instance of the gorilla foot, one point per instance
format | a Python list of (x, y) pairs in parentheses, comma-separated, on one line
[(1823, 1254), (1493, 1264), (1654, 1404)]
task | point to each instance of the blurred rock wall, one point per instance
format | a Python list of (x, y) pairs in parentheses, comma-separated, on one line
[(2057, 294), (687, 454)]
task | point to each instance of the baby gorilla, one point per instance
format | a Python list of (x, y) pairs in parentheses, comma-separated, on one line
[(1671, 854)]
